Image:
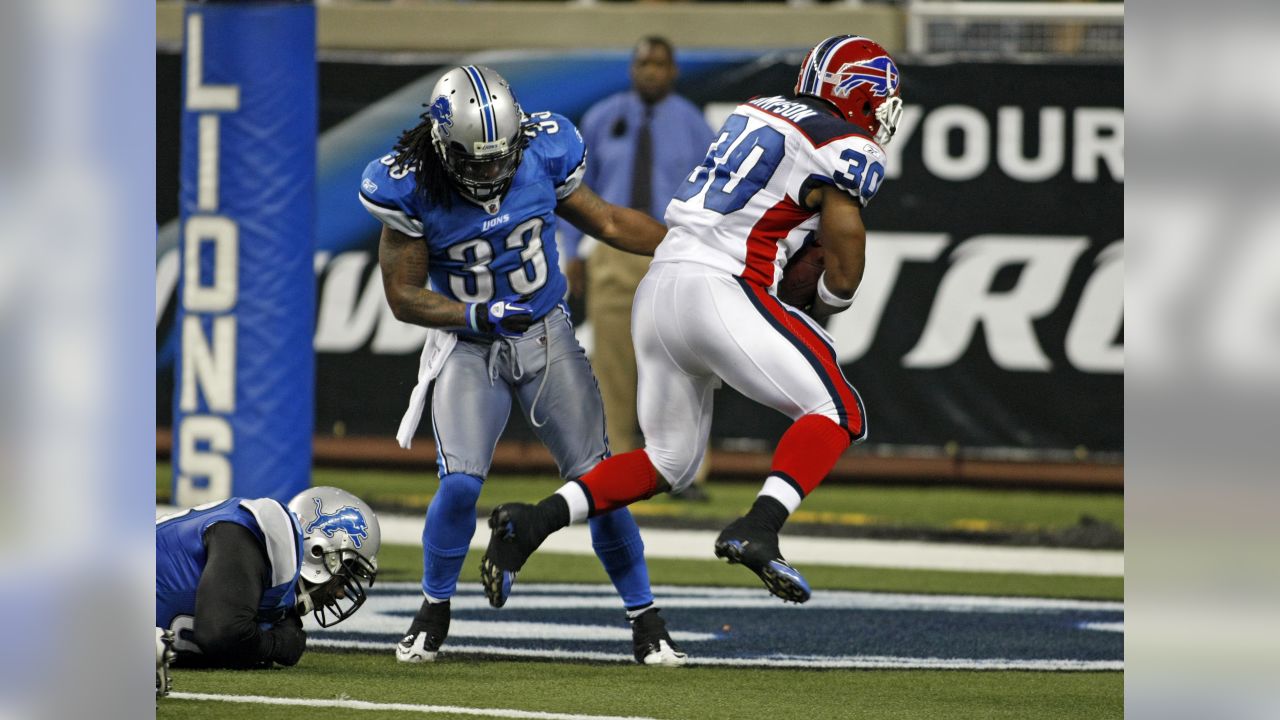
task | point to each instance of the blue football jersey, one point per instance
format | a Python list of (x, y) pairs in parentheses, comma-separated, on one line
[(477, 256), (181, 558)]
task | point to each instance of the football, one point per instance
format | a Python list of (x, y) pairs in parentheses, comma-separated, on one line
[(799, 284)]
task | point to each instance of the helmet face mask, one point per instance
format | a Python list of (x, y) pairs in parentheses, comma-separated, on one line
[(476, 128), (857, 77), (340, 541)]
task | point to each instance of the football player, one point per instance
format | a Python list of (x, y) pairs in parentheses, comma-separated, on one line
[(468, 200), (782, 167), (234, 578)]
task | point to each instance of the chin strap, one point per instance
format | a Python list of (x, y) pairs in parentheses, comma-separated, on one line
[(888, 114)]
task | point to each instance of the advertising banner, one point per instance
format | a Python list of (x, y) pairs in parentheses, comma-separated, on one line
[(991, 313)]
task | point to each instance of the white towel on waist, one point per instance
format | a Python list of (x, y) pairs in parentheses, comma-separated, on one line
[(435, 351)]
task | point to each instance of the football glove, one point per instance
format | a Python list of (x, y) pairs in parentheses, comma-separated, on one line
[(289, 641), (510, 316)]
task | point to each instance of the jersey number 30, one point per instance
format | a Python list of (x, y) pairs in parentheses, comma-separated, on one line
[(737, 167)]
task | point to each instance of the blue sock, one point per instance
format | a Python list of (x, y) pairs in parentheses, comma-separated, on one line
[(451, 521), (617, 543)]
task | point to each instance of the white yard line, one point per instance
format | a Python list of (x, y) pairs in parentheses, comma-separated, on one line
[(799, 550), (399, 707), (847, 662)]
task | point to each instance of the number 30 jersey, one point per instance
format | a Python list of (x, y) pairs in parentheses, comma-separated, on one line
[(741, 209)]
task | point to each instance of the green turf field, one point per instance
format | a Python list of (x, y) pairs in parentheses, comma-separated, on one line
[(695, 693), (675, 693), (938, 508)]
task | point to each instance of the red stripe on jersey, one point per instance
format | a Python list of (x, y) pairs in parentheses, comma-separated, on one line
[(826, 356), (762, 242)]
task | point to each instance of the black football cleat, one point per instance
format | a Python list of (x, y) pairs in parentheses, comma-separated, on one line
[(746, 543), (513, 536), (427, 633), (652, 643)]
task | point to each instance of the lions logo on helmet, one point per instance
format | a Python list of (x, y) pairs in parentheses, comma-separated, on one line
[(347, 519), (339, 553), (442, 113)]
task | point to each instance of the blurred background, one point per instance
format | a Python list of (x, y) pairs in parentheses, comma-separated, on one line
[(987, 341)]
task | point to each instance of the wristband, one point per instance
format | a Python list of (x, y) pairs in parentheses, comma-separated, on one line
[(472, 320), (829, 298)]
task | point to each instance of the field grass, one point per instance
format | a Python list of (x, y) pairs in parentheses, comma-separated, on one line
[(683, 693), (940, 508), (697, 693)]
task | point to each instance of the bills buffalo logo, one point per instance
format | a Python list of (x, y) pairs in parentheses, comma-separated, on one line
[(347, 519), (878, 72), (442, 112)]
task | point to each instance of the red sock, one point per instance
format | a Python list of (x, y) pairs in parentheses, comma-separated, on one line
[(619, 481), (807, 452)]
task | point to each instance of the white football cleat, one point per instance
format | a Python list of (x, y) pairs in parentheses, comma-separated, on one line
[(165, 656)]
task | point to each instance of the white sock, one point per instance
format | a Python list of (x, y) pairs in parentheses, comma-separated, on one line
[(577, 499), (782, 491), (633, 613)]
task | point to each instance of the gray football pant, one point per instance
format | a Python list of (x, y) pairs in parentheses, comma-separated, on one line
[(547, 372)]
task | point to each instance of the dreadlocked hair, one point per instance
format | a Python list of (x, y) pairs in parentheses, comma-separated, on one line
[(415, 151)]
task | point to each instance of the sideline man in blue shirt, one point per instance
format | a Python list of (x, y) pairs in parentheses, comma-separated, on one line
[(643, 144)]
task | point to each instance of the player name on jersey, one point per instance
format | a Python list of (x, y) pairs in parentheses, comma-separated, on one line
[(785, 108)]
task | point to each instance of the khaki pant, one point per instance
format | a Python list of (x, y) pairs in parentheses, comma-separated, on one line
[(612, 278)]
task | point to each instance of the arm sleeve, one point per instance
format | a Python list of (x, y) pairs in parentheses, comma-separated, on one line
[(226, 625), (565, 154), (386, 191), (569, 234)]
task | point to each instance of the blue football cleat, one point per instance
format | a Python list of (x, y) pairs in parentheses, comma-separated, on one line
[(744, 543)]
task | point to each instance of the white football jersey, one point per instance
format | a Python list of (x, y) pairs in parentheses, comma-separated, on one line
[(740, 210)]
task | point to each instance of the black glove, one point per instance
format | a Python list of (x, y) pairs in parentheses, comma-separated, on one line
[(289, 640)]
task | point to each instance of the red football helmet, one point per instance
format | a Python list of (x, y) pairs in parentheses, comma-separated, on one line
[(858, 77)]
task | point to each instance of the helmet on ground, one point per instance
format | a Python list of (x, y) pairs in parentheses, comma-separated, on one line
[(340, 542), (858, 77), (476, 131)]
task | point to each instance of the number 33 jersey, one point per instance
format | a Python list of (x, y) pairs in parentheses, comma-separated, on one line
[(741, 209), (477, 255)]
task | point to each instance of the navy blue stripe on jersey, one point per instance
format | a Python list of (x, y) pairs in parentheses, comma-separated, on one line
[(482, 96), (820, 128), (825, 371)]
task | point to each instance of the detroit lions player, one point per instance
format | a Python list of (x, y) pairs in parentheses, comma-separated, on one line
[(234, 578), (468, 199), (781, 170)]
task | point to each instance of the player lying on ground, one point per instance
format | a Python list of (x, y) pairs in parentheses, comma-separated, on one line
[(469, 200), (234, 578), (781, 169)]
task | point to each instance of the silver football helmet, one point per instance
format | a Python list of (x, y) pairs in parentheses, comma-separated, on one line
[(476, 130), (340, 542)]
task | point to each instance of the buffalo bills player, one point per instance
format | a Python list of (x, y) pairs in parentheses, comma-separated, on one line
[(781, 169), (468, 199), (234, 578)]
